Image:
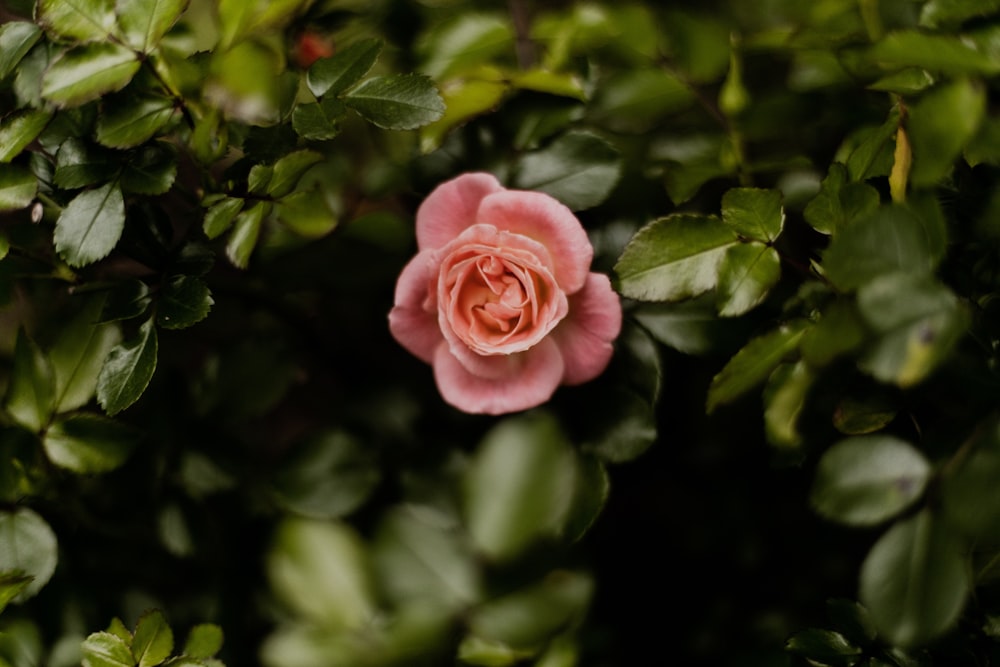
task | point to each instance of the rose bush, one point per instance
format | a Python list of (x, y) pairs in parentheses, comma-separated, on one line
[(500, 298)]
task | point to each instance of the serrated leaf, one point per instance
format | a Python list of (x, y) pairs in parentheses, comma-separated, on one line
[(81, 20), (674, 258), (88, 444), (203, 641), (103, 649), (289, 169), (754, 213), (16, 39), (397, 102), (334, 75), (31, 390), (747, 273), (117, 628), (941, 123), (579, 169), (87, 72), (318, 121), (79, 164), (153, 640), (90, 225), (866, 480), (914, 581), (150, 170), (839, 203), (246, 229), (18, 187), (184, 301), (938, 53), (220, 216), (128, 369), (19, 129), (77, 355), (28, 546), (144, 22), (754, 363), (128, 120)]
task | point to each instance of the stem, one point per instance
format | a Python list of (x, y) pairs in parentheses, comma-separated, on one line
[(523, 45)]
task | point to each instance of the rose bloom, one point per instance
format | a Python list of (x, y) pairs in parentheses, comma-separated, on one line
[(500, 298)]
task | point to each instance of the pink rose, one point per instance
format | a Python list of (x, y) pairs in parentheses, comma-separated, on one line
[(500, 298)]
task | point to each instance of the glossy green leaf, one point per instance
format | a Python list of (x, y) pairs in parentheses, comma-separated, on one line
[(103, 649), (397, 102), (466, 41), (868, 479), (474, 94), (579, 169), (941, 124), (77, 355), (519, 485), (863, 413), (153, 640), (747, 273), (87, 72), (308, 213), (333, 75), (259, 178), (19, 129), (754, 363), (151, 169), (27, 545), (674, 258), (90, 226), (81, 20), (183, 301), (320, 569), (318, 121), (824, 647), (220, 216), (203, 641), (754, 213), (18, 187), (905, 82), (691, 327), (553, 83), (968, 491), (872, 156), (127, 370), (128, 120), (16, 39), (30, 393), (11, 585), (289, 169), (88, 443), (633, 100), (785, 397), (125, 300), (839, 203), (327, 476), (79, 164), (145, 22), (915, 580), (246, 229), (938, 53)]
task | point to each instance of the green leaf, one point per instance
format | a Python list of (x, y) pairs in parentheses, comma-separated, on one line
[(11, 585), (19, 129), (88, 444), (128, 369), (18, 187), (472, 95), (259, 178), (422, 558), (117, 628), (941, 124), (968, 491), (318, 121), (915, 581), (691, 327), (839, 331), (150, 170), (145, 22), (873, 154), (519, 485), (397, 102), (153, 640), (635, 99), (203, 641), (579, 169), (90, 225), (81, 20), (28, 546), (328, 475), (31, 392), (754, 363), (16, 39), (949, 54), (458, 45), (784, 399), (77, 356), (866, 480), (184, 301), (128, 120), (307, 213), (840, 203), (103, 649), (125, 300), (79, 164), (905, 82), (289, 169), (747, 273), (674, 258), (244, 236), (593, 486), (824, 647), (754, 213), (220, 216), (333, 75), (863, 413), (87, 72)]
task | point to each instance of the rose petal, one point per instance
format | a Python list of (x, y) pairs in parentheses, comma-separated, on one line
[(585, 336), (531, 378), (413, 319), (451, 207), (543, 218)]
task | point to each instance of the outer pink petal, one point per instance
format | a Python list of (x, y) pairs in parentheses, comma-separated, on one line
[(451, 207), (543, 218), (413, 319), (532, 378), (585, 336)]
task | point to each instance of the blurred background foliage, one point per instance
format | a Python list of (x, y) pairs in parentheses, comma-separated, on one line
[(212, 450)]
